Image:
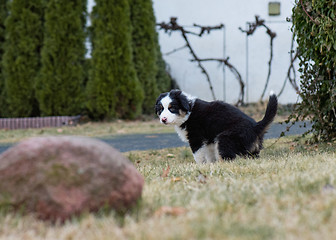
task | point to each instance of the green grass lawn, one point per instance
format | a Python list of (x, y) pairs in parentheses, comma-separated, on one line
[(288, 193)]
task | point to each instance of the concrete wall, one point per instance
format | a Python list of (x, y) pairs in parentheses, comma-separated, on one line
[(233, 14)]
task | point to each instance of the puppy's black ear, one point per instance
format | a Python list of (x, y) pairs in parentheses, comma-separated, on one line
[(185, 104), (175, 93), (157, 107), (182, 99)]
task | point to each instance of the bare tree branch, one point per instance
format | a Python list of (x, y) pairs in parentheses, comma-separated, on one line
[(235, 72), (174, 26), (175, 50), (252, 28), (291, 69), (208, 28), (311, 19), (291, 80), (269, 69), (291, 66)]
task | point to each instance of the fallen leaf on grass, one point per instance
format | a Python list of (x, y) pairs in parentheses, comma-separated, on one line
[(176, 179), (170, 211), (165, 172)]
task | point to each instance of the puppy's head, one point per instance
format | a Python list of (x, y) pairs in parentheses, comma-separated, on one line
[(173, 107)]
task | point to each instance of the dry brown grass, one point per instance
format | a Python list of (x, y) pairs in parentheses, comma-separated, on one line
[(288, 193), (90, 129)]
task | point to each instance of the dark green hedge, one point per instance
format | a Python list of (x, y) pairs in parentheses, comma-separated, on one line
[(113, 88), (163, 79), (3, 16), (314, 24), (21, 59), (144, 49), (59, 86), (43, 69)]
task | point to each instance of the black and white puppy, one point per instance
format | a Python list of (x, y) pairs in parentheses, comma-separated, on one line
[(214, 130)]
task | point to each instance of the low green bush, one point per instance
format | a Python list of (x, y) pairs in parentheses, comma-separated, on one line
[(314, 24)]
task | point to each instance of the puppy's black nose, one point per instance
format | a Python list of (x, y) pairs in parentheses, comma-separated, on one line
[(164, 120)]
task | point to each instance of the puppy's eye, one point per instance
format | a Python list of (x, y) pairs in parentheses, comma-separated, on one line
[(173, 109)]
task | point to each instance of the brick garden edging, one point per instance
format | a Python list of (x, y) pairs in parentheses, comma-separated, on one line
[(38, 122)]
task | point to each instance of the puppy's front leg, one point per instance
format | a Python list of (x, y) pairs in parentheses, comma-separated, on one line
[(200, 155)]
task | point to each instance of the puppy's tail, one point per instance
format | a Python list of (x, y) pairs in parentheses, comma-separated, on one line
[(271, 110)]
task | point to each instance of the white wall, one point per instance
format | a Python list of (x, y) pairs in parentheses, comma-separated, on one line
[(233, 14)]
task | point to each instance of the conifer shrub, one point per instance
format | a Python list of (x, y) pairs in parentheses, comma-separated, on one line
[(3, 16), (113, 88), (145, 50), (163, 79), (21, 57), (59, 86)]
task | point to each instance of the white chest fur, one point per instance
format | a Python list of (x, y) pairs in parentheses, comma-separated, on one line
[(181, 133)]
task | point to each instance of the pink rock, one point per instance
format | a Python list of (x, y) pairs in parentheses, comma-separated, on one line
[(60, 177)]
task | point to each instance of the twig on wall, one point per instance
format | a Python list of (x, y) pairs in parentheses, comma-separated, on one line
[(175, 50), (236, 74), (291, 68), (207, 29), (174, 26), (252, 28)]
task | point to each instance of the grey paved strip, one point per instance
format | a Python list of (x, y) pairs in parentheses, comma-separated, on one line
[(4, 147), (125, 143), (170, 140)]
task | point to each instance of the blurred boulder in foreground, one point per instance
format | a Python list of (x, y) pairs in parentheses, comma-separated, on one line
[(57, 178)]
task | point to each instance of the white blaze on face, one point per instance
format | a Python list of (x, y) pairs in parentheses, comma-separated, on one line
[(166, 114)]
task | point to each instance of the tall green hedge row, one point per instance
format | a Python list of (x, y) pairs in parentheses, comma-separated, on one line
[(3, 16), (44, 71), (59, 86), (314, 24), (21, 58), (113, 87), (144, 49)]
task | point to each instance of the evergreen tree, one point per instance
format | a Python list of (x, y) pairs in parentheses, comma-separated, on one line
[(113, 88), (3, 16), (60, 83), (163, 79), (21, 59), (145, 50)]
